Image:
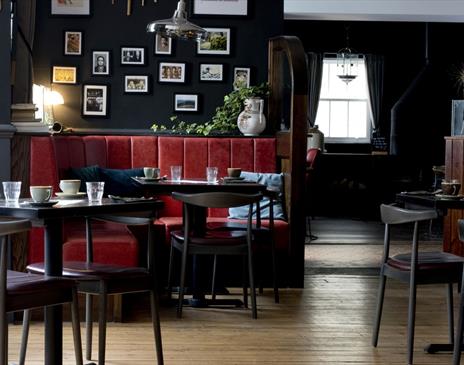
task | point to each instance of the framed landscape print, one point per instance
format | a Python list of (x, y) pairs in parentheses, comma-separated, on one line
[(95, 100), (73, 43), (211, 72), (101, 63), (70, 7), (217, 42), (163, 45), (134, 56), (219, 8), (136, 84), (171, 72), (185, 102), (64, 75)]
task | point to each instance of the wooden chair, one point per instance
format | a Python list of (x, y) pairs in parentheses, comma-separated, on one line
[(415, 268), (194, 241), (22, 292), (103, 280)]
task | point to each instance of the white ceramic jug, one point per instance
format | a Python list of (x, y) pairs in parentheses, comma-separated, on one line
[(251, 121)]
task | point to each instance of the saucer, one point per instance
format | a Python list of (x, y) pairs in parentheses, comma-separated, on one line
[(449, 197), (229, 178), (50, 203), (78, 195)]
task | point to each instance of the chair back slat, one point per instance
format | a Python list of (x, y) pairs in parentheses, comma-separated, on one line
[(395, 215)]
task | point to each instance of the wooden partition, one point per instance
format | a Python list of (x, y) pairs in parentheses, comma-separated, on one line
[(454, 169), (286, 51)]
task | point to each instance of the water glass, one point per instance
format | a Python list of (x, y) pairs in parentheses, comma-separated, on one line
[(95, 190), (211, 174), (176, 173), (12, 190)]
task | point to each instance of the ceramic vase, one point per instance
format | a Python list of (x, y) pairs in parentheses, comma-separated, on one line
[(251, 121)]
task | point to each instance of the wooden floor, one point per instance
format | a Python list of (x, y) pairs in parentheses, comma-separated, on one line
[(329, 322)]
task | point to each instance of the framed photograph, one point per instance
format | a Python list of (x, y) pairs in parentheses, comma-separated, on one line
[(457, 118), (70, 7), (211, 72), (163, 45), (241, 77), (217, 42), (95, 100), (134, 56), (64, 75), (73, 43), (185, 102), (171, 72), (101, 63), (136, 84), (219, 8)]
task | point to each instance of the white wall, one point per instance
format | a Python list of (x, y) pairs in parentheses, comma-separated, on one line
[(376, 10)]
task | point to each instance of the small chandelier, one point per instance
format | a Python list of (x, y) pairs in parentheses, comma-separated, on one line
[(178, 26), (347, 62)]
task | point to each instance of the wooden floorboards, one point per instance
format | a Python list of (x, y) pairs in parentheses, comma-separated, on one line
[(329, 322)]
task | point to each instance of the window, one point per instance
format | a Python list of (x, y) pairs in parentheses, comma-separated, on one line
[(343, 112)]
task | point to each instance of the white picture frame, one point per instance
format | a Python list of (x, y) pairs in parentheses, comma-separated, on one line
[(171, 72), (186, 103), (136, 84), (70, 7), (163, 45), (64, 75), (241, 77), (220, 8), (134, 56), (217, 42), (73, 43), (211, 72), (95, 100), (101, 63)]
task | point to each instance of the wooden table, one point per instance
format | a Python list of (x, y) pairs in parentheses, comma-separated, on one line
[(51, 218)]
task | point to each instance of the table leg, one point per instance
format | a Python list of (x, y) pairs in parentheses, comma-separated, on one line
[(54, 314)]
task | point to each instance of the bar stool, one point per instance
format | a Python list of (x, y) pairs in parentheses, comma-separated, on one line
[(22, 292), (415, 268)]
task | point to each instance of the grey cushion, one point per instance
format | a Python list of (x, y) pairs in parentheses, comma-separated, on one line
[(271, 180)]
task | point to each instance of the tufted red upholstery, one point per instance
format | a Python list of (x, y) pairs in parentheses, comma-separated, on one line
[(52, 156)]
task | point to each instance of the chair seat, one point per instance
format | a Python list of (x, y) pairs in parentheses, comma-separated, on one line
[(215, 237), (83, 271), (29, 291), (427, 261)]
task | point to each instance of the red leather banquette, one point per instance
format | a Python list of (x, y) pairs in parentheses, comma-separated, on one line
[(52, 156)]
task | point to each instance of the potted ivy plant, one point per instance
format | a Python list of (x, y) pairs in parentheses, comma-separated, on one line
[(224, 120)]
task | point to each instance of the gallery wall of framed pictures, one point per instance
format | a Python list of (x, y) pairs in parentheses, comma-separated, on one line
[(143, 77)]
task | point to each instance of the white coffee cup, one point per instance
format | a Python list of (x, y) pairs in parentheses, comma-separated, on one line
[(41, 194), (70, 186), (151, 172)]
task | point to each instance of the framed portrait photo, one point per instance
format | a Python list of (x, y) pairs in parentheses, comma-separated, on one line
[(64, 75), (217, 42), (101, 63), (211, 72), (70, 7), (136, 84), (186, 102), (134, 56), (241, 77), (163, 45), (73, 43), (171, 72), (206, 8), (95, 100)]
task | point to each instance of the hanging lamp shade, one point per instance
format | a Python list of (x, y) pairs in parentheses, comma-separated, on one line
[(178, 26), (347, 64)]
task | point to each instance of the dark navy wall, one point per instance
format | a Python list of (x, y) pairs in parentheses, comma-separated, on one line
[(5, 63), (110, 28)]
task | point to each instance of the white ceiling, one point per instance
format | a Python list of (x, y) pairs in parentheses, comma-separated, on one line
[(376, 10)]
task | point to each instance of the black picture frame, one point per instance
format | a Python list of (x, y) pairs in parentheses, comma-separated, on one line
[(186, 103), (202, 46), (95, 100), (208, 9), (235, 75), (137, 84), (211, 72), (457, 118), (172, 72), (97, 69), (133, 56), (69, 40), (160, 48), (69, 10)]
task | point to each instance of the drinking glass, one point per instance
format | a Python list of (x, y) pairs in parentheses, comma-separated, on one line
[(176, 173), (95, 190), (211, 174), (12, 190)]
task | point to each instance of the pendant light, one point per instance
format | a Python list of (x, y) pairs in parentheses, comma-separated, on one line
[(347, 62), (178, 26)]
